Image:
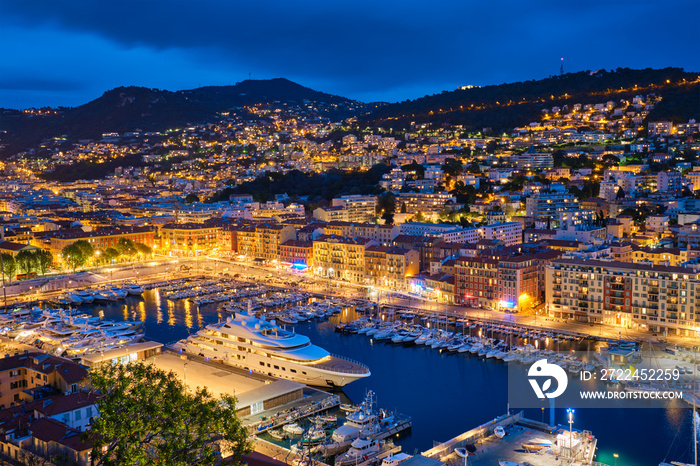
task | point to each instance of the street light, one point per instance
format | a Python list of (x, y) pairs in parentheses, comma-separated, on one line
[(616, 456), (570, 413)]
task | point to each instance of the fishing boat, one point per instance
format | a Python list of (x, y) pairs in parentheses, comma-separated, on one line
[(349, 408)]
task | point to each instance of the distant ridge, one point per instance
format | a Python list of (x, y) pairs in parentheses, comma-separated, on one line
[(505, 106), (128, 108)]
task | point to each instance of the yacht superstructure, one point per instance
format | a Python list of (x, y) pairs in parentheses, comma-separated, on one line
[(259, 345)]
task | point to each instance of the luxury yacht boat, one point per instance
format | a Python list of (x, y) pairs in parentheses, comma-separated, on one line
[(261, 346), (133, 289), (85, 296)]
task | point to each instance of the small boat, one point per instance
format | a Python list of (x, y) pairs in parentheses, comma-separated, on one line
[(393, 460), (278, 434), (293, 429), (537, 444), (508, 463), (499, 431), (348, 408), (461, 452)]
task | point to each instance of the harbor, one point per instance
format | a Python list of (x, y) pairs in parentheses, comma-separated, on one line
[(446, 386)]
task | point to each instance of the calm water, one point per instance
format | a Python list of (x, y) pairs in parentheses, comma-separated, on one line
[(445, 394)]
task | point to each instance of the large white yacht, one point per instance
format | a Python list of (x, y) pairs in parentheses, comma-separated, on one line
[(261, 346)]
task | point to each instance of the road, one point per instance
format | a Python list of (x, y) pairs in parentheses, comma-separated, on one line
[(164, 268)]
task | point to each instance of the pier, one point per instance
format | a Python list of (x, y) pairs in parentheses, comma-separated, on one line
[(488, 449)]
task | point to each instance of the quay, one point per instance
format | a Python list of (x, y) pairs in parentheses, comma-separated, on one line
[(489, 449), (263, 402)]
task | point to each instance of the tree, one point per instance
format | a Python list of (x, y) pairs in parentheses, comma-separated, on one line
[(416, 167), (452, 167), (143, 249), (26, 261), (403, 208), (111, 255), (9, 266), (44, 261), (77, 254), (147, 416), (190, 198), (620, 194), (386, 203), (126, 247)]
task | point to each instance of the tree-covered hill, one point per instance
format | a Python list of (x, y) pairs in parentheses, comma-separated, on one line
[(502, 107)]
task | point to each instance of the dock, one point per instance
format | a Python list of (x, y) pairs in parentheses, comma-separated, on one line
[(489, 449)]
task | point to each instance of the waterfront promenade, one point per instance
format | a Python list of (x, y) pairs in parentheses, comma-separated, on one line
[(163, 268)]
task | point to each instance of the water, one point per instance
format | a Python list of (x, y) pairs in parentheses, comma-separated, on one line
[(446, 394)]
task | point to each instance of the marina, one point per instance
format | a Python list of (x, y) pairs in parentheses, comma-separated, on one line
[(446, 384)]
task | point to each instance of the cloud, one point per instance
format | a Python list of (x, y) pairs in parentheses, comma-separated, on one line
[(360, 48)]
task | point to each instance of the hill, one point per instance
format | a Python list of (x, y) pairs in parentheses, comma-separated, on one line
[(129, 108), (505, 106)]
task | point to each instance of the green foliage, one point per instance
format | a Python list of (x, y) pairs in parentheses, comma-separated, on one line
[(505, 106), (416, 167), (190, 198), (126, 247), (26, 261), (143, 249), (44, 261), (148, 417), (77, 254), (452, 167), (327, 185), (111, 254), (9, 266), (386, 203)]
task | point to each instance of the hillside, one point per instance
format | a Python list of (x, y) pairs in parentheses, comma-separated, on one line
[(505, 106), (129, 108)]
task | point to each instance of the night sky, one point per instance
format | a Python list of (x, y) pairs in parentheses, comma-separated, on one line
[(57, 52)]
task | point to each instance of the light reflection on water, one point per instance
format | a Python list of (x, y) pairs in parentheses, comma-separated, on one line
[(445, 394)]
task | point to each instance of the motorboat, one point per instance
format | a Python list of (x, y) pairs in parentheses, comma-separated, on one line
[(361, 450), (277, 434), (132, 289), (85, 296), (293, 429), (499, 431), (393, 460), (537, 444)]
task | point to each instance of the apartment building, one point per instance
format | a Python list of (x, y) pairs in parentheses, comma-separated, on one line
[(639, 296), (382, 234), (297, 253), (511, 233), (390, 266), (189, 238), (358, 208), (543, 205), (429, 204), (101, 238), (341, 257), (450, 233), (505, 282), (268, 239), (21, 373)]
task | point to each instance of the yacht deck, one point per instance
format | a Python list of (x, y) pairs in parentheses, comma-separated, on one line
[(342, 365)]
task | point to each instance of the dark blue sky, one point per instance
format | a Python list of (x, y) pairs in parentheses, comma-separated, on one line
[(57, 52)]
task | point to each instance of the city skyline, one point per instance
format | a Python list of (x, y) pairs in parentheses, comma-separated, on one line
[(66, 54)]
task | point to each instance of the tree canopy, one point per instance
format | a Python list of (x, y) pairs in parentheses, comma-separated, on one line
[(77, 254), (148, 417)]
